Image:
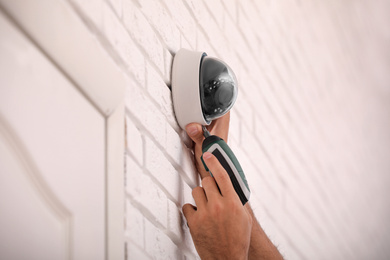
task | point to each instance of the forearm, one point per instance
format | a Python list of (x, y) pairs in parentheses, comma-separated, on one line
[(261, 246)]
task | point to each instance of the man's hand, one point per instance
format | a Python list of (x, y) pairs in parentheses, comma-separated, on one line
[(260, 245), (220, 226)]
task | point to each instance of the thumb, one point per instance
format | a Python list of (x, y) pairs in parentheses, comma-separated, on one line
[(195, 132)]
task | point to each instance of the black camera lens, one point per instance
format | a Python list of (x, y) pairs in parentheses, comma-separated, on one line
[(218, 88)]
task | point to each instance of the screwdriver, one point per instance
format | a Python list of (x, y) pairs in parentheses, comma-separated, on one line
[(219, 148)]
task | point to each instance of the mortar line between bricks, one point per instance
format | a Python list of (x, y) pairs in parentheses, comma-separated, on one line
[(167, 156), (273, 166), (130, 154), (245, 39), (228, 13), (139, 47), (199, 27), (147, 214), (111, 51), (278, 175), (129, 240), (157, 33), (207, 9), (216, 51), (149, 217), (146, 93), (160, 185), (292, 98), (294, 149), (182, 242), (275, 169), (182, 33), (306, 236), (154, 102)]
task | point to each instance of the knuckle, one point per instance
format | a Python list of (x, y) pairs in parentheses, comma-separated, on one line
[(217, 209), (197, 190), (206, 180), (223, 176)]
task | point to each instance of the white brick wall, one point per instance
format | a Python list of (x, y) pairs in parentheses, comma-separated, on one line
[(311, 124)]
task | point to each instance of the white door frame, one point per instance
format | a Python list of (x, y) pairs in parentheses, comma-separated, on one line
[(62, 36)]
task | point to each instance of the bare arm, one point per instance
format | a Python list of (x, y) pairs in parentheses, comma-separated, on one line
[(261, 247)]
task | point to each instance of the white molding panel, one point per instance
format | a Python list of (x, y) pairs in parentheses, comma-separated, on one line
[(61, 35)]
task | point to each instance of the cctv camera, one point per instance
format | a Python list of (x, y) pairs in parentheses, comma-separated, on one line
[(203, 88)]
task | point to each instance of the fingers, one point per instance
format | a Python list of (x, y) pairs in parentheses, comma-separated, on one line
[(199, 196), (220, 175), (220, 127), (188, 211), (195, 132), (210, 188)]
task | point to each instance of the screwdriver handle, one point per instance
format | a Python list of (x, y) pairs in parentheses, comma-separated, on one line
[(219, 148)]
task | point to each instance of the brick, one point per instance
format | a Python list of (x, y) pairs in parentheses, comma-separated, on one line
[(162, 170), (154, 123), (134, 252), (301, 92), (203, 43), (159, 17), (162, 95), (134, 141), (149, 198), (231, 8), (246, 109), (185, 44), (175, 222), (134, 225), (235, 125), (208, 25), (191, 252), (159, 244), (216, 11), (250, 37), (184, 158), (123, 45), (187, 194), (132, 168), (183, 19), (142, 32), (204, 17), (147, 114)]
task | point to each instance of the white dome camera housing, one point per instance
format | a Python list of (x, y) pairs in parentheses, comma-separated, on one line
[(203, 88)]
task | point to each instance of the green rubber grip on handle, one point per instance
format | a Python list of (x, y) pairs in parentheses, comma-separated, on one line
[(219, 148)]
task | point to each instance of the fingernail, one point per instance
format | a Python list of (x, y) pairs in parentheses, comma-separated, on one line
[(207, 155), (192, 130)]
